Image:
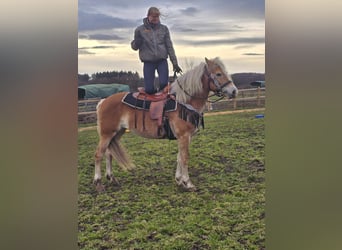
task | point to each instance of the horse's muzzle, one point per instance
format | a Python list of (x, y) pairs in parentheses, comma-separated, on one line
[(232, 94)]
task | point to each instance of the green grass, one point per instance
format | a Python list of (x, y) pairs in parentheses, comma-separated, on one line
[(149, 211)]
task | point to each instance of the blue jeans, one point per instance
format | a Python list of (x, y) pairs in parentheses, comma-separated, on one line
[(149, 75)]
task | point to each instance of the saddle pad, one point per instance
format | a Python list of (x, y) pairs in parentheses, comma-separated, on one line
[(130, 100), (189, 114)]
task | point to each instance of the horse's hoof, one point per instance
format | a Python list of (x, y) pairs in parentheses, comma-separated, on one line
[(98, 186), (192, 188), (186, 185), (113, 180)]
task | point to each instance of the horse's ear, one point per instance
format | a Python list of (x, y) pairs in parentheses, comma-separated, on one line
[(207, 60)]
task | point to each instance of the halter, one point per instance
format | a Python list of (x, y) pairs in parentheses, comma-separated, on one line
[(218, 90), (211, 78)]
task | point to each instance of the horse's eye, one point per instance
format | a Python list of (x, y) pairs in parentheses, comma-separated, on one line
[(218, 74)]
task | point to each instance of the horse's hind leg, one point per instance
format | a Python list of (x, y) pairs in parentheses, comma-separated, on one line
[(109, 175), (100, 151)]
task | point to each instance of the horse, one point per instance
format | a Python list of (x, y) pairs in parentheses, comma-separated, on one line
[(191, 89)]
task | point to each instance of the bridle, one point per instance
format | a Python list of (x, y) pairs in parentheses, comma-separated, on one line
[(211, 78)]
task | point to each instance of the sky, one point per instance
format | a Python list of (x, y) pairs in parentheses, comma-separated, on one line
[(233, 30)]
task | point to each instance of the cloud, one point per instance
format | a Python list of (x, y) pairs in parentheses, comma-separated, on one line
[(182, 28), (200, 25), (104, 37), (208, 29), (101, 37), (98, 21), (252, 9), (82, 36), (245, 46), (253, 54), (85, 52), (98, 47), (190, 11), (244, 40)]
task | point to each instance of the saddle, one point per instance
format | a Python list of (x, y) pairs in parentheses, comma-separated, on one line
[(157, 102), (157, 105), (159, 96)]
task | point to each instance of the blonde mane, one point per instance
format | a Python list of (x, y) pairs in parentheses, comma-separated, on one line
[(191, 81)]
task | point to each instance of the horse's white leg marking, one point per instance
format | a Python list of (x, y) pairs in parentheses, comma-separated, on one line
[(98, 158), (179, 169), (100, 150), (97, 176), (108, 164), (109, 174), (183, 151)]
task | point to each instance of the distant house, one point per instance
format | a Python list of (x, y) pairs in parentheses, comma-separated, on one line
[(260, 84), (100, 90)]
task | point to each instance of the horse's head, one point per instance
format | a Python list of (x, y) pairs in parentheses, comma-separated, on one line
[(219, 81)]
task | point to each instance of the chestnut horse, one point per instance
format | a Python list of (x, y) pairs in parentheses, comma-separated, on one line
[(114, 117)]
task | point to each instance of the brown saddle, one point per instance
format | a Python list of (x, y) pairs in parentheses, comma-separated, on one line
[(159, 96), (158, 101)]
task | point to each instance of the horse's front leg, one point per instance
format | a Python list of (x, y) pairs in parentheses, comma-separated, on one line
[(182, 174)]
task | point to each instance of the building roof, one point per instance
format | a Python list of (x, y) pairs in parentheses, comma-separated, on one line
[(100, 90)]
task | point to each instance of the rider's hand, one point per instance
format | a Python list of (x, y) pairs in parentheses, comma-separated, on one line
[(177, 69)]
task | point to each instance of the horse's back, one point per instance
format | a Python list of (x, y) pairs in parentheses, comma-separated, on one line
[(110, 102), (117, 97)]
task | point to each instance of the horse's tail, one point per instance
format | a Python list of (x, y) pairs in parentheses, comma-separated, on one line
[(119, 152)]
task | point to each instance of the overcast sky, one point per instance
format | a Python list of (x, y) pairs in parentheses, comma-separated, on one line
[(233, 30)]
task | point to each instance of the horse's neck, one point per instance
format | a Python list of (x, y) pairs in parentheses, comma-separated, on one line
[(198, 104), (199, 100)]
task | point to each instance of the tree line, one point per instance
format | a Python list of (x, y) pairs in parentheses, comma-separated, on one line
[(133, 79), (122, 77)]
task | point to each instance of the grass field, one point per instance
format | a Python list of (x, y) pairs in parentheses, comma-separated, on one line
[(149, 211)]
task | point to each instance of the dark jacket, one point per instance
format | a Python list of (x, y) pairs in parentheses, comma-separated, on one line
[(154, 43)]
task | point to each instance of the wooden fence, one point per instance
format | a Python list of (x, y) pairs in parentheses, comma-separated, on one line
[(247, 99)]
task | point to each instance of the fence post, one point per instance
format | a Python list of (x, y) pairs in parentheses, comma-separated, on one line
[(258, 97)]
